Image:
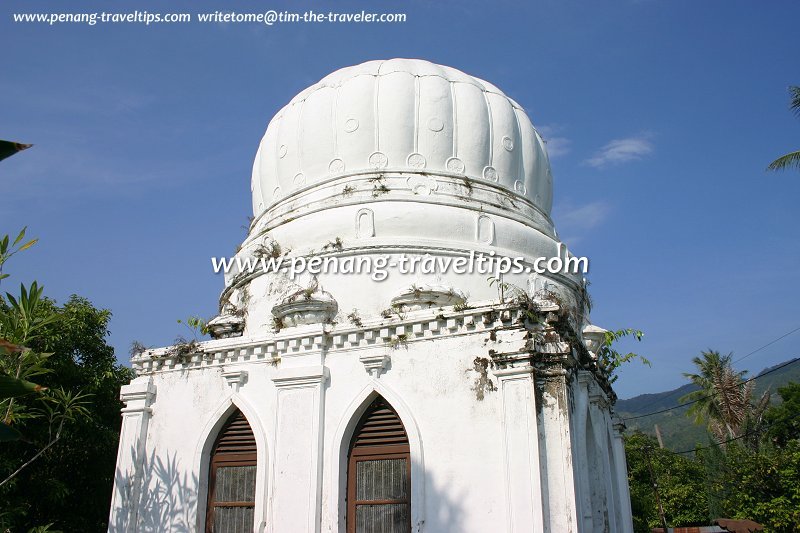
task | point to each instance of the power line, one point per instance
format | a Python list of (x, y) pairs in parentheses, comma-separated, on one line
[(770, 343), (710, 395), (748, 434)]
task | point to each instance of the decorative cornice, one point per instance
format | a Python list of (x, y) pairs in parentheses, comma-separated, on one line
[(411, 326), (301, 377), (513, 340), (524, 370)]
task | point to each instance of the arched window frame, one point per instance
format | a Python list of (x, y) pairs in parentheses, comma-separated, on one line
[(239, 450), (387, 444), (213, 424), (339, 453)]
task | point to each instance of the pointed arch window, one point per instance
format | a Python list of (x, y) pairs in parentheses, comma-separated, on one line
[(379, 473), (232, 478)]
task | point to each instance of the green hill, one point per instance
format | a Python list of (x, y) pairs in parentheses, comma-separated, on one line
[(677, 430)]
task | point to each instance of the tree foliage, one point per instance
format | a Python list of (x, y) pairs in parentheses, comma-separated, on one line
[(735, 482), (681, 485), (792, 159), (761, 485), (57, 470), (611, 359), (782, 419), (725, 399), (77, 472), (749, 470)]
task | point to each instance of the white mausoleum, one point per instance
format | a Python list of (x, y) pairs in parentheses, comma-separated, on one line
[(429, 401)]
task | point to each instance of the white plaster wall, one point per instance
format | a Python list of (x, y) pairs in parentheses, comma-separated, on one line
[(460, 435), (189, 408), (431, 381)]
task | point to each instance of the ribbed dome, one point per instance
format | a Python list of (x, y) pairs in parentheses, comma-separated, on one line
[(404, 115)]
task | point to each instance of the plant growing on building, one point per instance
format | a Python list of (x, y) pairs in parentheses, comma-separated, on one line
[(334, 245), (462, 306), (610, 359), (196, 325), (184, 348), (306, 293), (398, 341), (270, 249), (137, 348), (355, 319), (416, 291), (401, 310), (378, 186)]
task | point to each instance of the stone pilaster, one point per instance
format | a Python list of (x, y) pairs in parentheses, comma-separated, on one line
[(520, 449), (297, 470), (599, 411), (137, 396), (581, 398), (555, 445), (624, 495)]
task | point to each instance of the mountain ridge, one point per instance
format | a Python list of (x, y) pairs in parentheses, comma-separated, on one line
[(677, 430)]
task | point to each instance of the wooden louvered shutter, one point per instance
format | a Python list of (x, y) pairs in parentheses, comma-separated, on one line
[(379, 473), (232, 478)]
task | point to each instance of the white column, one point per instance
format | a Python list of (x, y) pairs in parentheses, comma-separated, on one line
[(581, 395), (601, 425), (624, 497), (555, 452), (125, 499), (297, 471), (521, 450)]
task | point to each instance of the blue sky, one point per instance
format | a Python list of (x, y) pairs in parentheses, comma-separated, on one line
[(661, 117)]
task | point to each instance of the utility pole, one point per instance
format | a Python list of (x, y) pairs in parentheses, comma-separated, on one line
[(658, 436), (655, 489)]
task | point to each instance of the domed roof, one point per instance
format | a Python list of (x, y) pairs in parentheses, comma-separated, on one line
[(403, 115)]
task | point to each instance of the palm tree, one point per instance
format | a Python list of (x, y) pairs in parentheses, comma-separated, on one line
[(724, 399), (712, 370), (8, 148), (792, 159)]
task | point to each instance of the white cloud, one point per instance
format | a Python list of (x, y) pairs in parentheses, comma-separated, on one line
[(556, 145), (584, 217), (574, 221), (621, 151)]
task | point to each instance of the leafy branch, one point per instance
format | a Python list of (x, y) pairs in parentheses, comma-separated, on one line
[(196, 325), (59, 407), (610, 359), (9, 249)]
